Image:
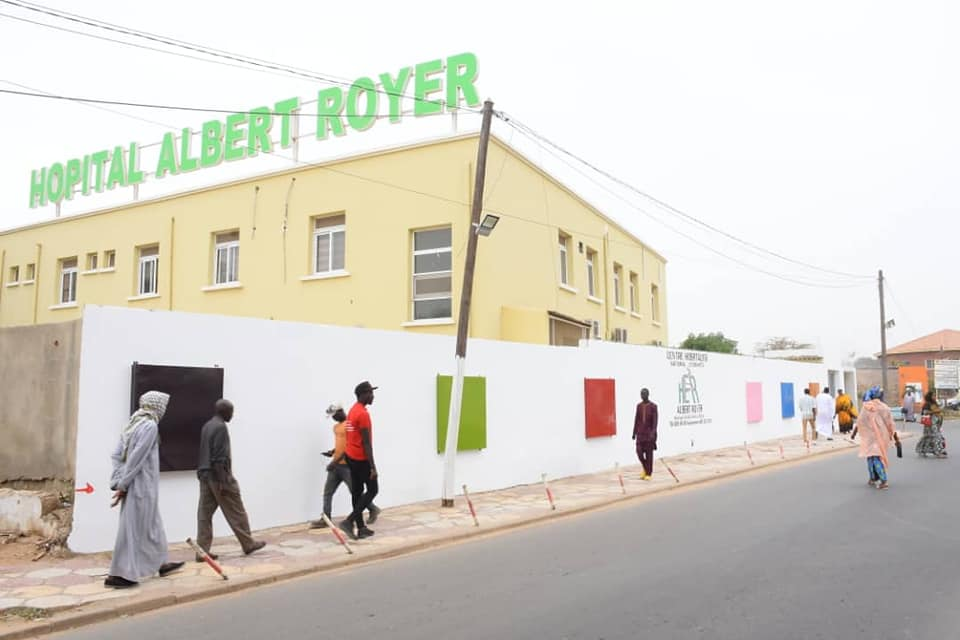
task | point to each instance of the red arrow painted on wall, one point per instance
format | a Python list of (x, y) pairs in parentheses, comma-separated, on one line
[(86, 489)]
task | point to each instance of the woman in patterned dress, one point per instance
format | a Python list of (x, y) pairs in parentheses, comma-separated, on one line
[(932, 442)]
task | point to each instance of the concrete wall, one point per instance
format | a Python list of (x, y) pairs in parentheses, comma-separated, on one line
[(39, 368), (281, 375)]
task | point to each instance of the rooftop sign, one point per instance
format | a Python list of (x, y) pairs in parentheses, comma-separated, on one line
[(438, 85)]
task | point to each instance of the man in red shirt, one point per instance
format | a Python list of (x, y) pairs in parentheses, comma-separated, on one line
[(359, 455), (645, 433)]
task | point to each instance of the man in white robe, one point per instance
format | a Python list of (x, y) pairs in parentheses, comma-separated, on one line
[(826, 409), (141, 546)]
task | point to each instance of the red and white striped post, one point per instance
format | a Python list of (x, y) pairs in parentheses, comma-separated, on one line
[(623, 488), (473, 511), (748, 451), (206, 558), (553, 506), (664, 461), (337, 533)]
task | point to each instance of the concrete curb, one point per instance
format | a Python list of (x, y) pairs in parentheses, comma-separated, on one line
[(102, 613)]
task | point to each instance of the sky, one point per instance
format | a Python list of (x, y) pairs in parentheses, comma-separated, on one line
[(816, 142)]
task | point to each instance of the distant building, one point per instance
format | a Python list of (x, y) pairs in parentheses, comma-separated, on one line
[(840, 373), (942, 345), (796, 355)]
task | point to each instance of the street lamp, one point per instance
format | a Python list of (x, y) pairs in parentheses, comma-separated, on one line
[(486, 225)]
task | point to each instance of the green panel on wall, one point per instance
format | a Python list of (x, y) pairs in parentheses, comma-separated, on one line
[(473, 413)]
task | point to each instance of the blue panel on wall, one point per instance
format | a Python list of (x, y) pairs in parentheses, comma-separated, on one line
[(786, 400)]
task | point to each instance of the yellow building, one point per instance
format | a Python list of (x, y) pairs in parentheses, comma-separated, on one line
[(374, 240)]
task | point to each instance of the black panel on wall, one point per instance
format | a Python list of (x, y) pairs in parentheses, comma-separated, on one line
[(193, 392)]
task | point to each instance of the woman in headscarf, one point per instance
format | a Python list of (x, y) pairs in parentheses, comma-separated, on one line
[(846, 412), (876, 429), (141, 547), (931, 415)]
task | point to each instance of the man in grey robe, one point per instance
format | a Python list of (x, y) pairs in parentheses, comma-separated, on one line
[(141, 547)]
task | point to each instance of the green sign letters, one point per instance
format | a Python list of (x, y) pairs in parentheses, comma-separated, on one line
[(437, 85)]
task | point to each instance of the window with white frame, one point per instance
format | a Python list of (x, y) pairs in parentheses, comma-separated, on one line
[(149, 261), (14, 276), (31, 273), (433, 274), (634, 290), (226, 258), (329, 244), (109, 259), (68, 280), (655, 303), (617, 280), (92, 261), (564, 259), (591, 273)]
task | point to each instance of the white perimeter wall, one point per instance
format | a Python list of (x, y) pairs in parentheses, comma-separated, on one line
[(281, 376)]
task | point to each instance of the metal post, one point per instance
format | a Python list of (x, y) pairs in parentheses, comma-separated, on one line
[(883, 336), (463, 318)]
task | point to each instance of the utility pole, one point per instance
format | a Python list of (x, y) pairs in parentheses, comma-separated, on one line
[(463, 319), (883, 336)]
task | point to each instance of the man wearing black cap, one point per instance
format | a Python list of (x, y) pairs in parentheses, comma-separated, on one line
[(359, 454)]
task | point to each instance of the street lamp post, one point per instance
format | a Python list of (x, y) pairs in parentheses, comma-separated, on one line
[(476, 229)]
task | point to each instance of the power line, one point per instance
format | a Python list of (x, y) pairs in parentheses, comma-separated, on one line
[(636, 207), (903, 309), (77, 17), (670, 208), (171, 107), (143, 46), (93, 106), (236, 57)]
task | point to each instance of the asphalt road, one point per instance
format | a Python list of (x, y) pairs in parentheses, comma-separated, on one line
[(804, 551)]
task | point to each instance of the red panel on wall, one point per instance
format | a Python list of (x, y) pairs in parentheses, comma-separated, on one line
[(601, 407)]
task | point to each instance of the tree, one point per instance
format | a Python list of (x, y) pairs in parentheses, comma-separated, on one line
[(781, 343), (715, 342)]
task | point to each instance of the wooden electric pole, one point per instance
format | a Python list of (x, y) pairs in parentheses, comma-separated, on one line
[(883, 338), (463, 319)]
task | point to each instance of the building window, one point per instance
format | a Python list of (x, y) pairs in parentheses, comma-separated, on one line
[(31, 273), (14, 275), (929, 364), (564, 259), (109, 259), (432, 274), (149, 261), (68, 280), (634, 289), (617, 280), (226, 258), (567, 334), (591, 273), (92, 261), (329, 244), (655, 303)]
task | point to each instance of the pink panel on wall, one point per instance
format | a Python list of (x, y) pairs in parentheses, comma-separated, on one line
[(754, 402)]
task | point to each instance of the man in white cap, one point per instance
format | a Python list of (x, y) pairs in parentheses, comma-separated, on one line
[(338, 471)]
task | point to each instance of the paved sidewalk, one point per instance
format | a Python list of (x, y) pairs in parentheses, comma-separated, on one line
[(72, 590)]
